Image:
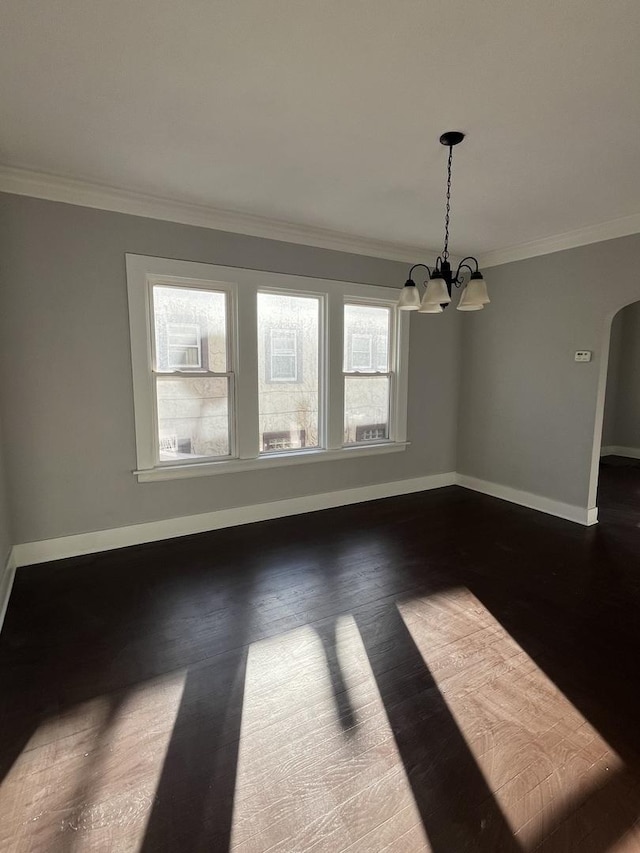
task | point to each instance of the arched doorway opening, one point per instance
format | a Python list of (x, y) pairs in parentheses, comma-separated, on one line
[(615, 480)]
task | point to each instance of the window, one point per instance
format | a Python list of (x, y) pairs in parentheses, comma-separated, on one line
[(236, 369), (367, 385), (285, 440), (183, 345), (192, 381), (288, 368), (371, 432), (361, 349), (283, 355)]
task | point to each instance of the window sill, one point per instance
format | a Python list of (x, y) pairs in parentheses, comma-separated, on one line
[(262, 463)]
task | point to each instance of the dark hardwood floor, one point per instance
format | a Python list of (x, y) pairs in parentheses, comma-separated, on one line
[(619, 490), (437, 672)]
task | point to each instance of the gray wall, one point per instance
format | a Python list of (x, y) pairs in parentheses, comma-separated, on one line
[(65, 374), (622, 405), (528, 412)]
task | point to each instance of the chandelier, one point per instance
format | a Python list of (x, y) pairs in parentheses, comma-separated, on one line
[(442, 279)]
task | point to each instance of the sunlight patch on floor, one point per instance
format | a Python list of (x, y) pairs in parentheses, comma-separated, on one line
[(56, 789), (318, 767), (533, 747)]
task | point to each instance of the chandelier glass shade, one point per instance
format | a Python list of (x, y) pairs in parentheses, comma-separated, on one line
[(442, 279)]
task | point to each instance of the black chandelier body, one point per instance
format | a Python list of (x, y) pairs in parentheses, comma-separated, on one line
[(442, 279)]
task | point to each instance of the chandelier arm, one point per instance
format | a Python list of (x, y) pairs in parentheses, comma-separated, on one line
[(469, 258), (415, 266), (457, 280)]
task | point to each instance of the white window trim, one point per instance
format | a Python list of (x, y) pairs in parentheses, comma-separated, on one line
[(242, 286)]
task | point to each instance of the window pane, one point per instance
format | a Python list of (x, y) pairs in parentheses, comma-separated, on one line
[(366, 408), (190, 329), (193, 417), (288, 341), (366, 338)]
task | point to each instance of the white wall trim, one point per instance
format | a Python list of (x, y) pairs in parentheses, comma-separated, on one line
[(120, 537), (6, 584), (622, 227), (617, 450), (86, 194), (581, 515), (29, 553)]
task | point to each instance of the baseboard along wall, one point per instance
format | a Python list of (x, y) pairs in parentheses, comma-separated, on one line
[(120, 537), (617, 450), (570, 512), (43, 551), (6, 583)]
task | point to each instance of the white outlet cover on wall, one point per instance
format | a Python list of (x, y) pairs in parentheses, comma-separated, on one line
[(583, 355)]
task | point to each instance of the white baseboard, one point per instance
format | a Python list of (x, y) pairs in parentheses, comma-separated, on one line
[(29, 553), (6, 584), (616, 450), (579, 514)]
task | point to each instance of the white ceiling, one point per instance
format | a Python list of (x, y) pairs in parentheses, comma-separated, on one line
[(327, 113)]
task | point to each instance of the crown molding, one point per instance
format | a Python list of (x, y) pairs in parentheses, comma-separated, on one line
[(86, 194), (70, 191), (622, 227)]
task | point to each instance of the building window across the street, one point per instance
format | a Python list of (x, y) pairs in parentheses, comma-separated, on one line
[(183, 345), (283, 355)]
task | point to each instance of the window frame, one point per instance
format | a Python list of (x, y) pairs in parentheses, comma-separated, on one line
[(242, 287), (191, 372), (396, 423), (323, 403)]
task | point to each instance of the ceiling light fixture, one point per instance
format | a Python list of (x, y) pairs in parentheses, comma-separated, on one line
[(442, 279)]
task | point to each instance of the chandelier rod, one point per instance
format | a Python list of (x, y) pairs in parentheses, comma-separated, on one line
[(447, 216)]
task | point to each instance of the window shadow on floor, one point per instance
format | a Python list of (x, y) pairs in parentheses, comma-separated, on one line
[(571, 602), (193, 805), (456, 805)]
